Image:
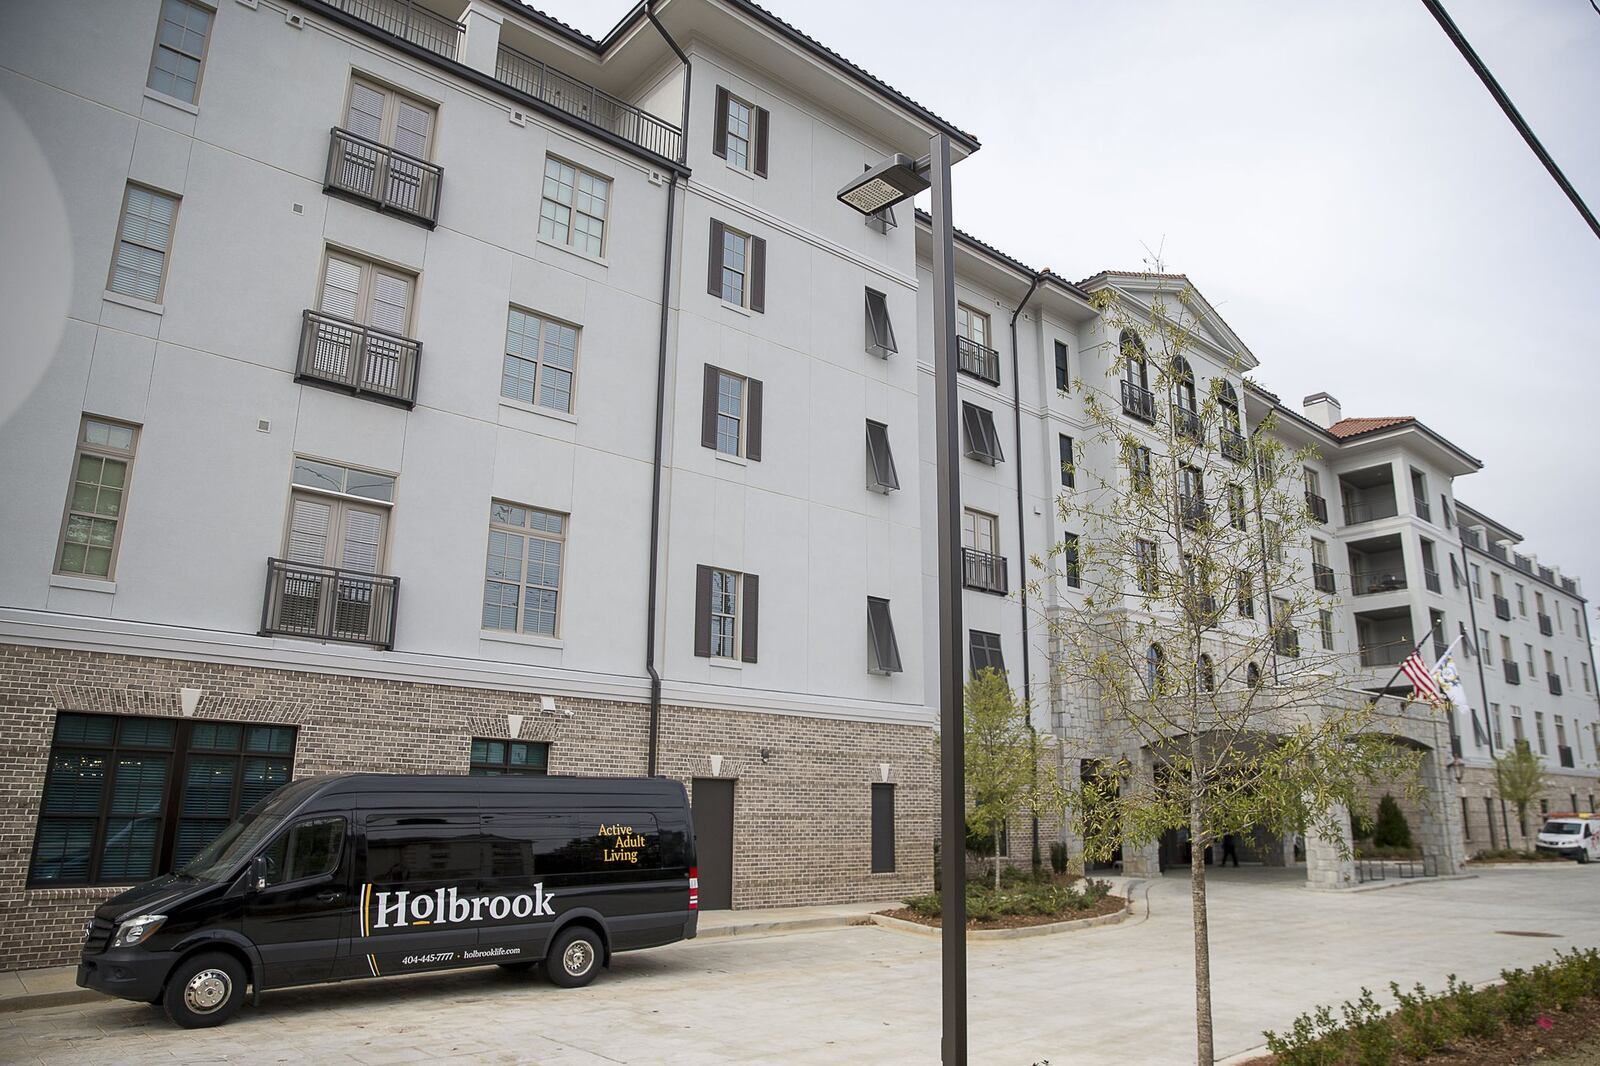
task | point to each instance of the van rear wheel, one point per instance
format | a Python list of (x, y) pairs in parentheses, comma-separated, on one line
[(204, 990), (574, 957)]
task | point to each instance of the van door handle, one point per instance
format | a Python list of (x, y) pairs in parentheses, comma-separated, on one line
[(332, 896)]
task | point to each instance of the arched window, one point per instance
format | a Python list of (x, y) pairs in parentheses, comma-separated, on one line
[(1135, 371), (1207, 674), (1252, 675), (1153, 668), (1228, 401), (1183, 380)]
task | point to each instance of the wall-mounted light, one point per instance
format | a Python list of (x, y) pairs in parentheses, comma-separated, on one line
[(765, 753)]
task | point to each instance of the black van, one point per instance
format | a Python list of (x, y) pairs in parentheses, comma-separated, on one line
[(369, 875)]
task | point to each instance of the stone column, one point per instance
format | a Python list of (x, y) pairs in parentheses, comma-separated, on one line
[(1141, 860), (480, 48), (1443, 851), (1330, 862)]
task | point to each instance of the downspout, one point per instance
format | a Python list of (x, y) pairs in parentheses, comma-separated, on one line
[(1483, 683), (1022, 545), (661, 410)]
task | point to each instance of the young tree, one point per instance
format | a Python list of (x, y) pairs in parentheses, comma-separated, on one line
[(1521, 779), (1189, 624), (1392, 829), (1000, 759)]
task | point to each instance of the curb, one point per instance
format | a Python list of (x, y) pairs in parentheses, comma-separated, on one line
[(1399, 882), (1558, 864), (804, 925), (40, 1000), (900, 925)]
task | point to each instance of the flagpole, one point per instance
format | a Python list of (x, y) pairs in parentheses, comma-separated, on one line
[(1397, 670)]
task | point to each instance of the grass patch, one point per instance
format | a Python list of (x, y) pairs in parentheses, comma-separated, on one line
[(1024, 897)]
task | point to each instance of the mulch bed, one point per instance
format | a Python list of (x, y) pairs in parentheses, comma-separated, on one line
[(1108, 905)]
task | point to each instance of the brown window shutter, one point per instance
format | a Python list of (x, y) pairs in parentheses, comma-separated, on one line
[(719, 138), (752, 414), (714, 261), (702, 612), (708, 407), (752, 609), (763, 120), (758, 274)]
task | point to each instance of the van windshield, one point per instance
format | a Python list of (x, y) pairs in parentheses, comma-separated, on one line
[(1561, 829), (218, 858)]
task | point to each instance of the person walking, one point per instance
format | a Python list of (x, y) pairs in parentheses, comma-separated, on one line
[(1229, 851)]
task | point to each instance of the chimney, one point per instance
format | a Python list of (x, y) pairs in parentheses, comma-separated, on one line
[(1321, 409)]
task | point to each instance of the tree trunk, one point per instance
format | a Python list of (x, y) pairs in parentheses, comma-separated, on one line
[(1204, 1054), (999, 828)]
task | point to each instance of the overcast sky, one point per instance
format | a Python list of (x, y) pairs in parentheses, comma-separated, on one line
[(1332, 177)]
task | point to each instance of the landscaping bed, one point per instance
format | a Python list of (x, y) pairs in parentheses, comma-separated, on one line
[(1023, 899), (1505, 855)]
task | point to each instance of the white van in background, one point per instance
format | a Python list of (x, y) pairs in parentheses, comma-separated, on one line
[(1573, 836)]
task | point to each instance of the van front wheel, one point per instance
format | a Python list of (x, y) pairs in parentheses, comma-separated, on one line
[(574, 957), (205, 990)]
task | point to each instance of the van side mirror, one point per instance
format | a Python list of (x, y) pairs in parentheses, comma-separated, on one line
[(258, 873)]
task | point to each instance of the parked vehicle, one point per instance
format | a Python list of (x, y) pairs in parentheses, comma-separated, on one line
[(1574, 836), (370, 875)]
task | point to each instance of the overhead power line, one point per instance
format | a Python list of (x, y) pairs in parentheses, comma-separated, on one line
[(1500, 97)]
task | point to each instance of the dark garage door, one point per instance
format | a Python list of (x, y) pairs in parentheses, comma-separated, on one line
[(713, 841)]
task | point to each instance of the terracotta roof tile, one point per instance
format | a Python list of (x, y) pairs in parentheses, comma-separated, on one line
[(1354, 427)]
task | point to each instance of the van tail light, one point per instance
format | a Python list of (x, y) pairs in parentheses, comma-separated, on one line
[(694, 888)]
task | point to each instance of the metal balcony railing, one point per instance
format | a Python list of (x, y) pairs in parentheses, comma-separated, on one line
[(1232, 444), (1193, 510), (1364, 583), (585, 101), (1420, 508), (1186, 423), (1545, 627), (1513, 672), (1357, 510), (984, 571), (1499, 552), (1523, 563), (326, 603), (1138, 402), (1322, 577), (1386, 653), (977, 360), (1569, 585), (1502, 608), (367, 361), (1472, 538), (1316, 506), (388, 179), (1564, 753), (1430, 578), (1554, 683), (408, 21), (1548, 575)]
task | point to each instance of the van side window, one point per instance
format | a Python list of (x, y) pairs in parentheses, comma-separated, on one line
[(411, 850), (528, 846), (310, 849)]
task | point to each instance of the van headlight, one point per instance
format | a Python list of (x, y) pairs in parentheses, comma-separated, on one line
[(137, 930)]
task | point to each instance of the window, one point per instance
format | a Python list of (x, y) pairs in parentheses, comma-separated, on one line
[(180, 52), (1584, 667), (96, 496), (1497, 725), (1207, 673), (367, 293), (1145, 570), (1070, 566), (144, 236), (540, 357), (1140, 474), (983, 650), (1275, 542), (1068, 463), (127, 797), (1247, 603), (1522, 601), (1325, 624), (1228, 404), (883, 653), (522, 578), (1313, 480), (730, 414), (1483, 642), (390, 118), (979, 531), (1135, 369), (881, 474), (737, 268), (882, 828), (982, 440), (1505, 649), (338, 517), (1561, 732), (1155, 671), (1533, 667), (725, 608), (741, 133), (972, 325), (1236, 507), (1063, 373), (498, 758), (1516, 724), (308, 850), (1538, 731), (1477, 581), (1191, 495), (1183, 378), (1252, 675), (572, 210), (880, 331)]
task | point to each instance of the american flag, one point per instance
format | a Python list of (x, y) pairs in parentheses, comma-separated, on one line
[(1423, 686)]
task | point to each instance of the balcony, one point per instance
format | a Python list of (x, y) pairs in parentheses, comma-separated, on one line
[(1554, 683), (364, 360), (1322, 577), (1386, 653), (325, 603), (977, 360), (1499, 552), (1232, 444), (1513, 672), (1138, 402), (1368, 495), (984, 571), (1194, 511), (1502, 608), (408, 21), (584, 101), (1366, 583), (1186, 423), (1545, 627), (1564, 753), (1430, 578), (1316, 506), (387, 179)]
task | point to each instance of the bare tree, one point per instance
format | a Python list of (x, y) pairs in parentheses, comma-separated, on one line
[(1520, 777), (1197, 637)]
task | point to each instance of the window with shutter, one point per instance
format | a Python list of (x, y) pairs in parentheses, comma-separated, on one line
[(881, 474), (180, 49), (741, 133), (737, 267), (724, 613), (883, 651), (984, 652), (730, 418), (144, 237), (880, 331), (96, 498), (982, 440)]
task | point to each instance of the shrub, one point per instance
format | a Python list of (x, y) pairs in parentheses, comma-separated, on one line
[(1371, 1039), (1423, 1021), (1360, 826), (1058, 857), (1392, 830), (1477, 1010)]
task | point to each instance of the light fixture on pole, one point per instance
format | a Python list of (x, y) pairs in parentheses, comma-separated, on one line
[(896, 179)]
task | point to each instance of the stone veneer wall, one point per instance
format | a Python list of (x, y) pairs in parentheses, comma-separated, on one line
[(1478, 783), (802, 814)]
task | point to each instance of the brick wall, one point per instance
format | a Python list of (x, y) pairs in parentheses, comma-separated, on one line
[(802, 814)]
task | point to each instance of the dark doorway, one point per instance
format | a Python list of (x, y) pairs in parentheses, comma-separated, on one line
[(713, 841)]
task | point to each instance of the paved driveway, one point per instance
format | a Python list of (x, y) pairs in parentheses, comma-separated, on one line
[(1117, 994)]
